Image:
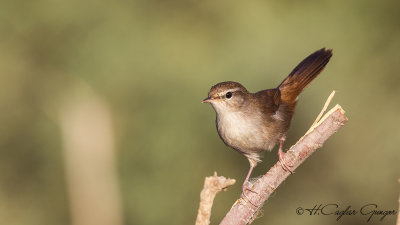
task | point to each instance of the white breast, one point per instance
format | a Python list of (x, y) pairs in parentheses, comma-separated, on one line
[(242, 132)]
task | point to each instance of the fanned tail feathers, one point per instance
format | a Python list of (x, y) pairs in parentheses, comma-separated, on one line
[(303, 74)]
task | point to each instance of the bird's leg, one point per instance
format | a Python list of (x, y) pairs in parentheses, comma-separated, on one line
[(245, 186), (281, 155), (246, 181)]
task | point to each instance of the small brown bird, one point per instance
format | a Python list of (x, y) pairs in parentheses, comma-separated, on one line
[(252, 123)]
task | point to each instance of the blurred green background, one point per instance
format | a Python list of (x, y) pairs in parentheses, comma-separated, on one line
[(151, 62)]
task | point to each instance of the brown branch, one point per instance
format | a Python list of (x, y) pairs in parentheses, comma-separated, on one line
[(212, 185), (244, 212)]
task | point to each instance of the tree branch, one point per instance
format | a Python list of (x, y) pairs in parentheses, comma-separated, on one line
[(244, 212), (212, 185)]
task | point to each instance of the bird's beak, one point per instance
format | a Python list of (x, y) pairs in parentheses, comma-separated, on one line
[(206, 100)]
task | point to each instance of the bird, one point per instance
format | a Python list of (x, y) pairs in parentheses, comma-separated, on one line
[(252, 123)]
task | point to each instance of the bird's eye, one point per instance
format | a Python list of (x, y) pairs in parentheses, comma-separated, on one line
[(228, 94)]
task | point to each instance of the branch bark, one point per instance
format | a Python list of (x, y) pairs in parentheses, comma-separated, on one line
[(212, 185), (244, 212)]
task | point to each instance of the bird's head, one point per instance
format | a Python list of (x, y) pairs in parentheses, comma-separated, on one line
[(226, 96)]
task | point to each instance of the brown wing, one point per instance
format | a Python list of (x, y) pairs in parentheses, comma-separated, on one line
[(269, 100)]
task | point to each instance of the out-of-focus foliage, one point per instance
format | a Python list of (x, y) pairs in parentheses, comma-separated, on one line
[(154, 61)]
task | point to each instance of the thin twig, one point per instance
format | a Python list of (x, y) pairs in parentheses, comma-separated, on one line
[(324, 108), (212, 185)]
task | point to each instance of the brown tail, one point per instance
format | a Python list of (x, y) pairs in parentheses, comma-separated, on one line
[(303, 74)]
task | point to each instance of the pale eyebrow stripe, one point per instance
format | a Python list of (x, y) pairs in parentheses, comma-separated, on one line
[(234, 89), (221, 94)]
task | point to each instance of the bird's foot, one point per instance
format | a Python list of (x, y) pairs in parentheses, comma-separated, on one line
[(246, 188), (282, 161)]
